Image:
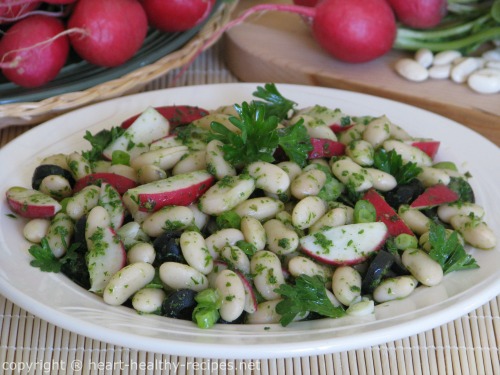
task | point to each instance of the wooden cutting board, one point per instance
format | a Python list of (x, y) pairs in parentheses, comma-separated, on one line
[(278, 47)]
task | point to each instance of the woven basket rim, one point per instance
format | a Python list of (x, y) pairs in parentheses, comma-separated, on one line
[(29, 113)]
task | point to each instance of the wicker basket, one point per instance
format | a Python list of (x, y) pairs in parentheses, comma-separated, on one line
[(29, 113)]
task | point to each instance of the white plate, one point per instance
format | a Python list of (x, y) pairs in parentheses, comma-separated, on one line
[(59, 301)]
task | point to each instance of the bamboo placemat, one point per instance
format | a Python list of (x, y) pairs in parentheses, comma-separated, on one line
[(29, 345)]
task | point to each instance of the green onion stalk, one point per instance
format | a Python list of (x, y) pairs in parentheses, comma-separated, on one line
[(468, 25)]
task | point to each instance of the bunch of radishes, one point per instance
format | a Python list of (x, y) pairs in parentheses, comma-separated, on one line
[(37, 36)]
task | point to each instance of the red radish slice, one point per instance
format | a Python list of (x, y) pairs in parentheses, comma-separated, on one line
[(434, 196), (337, 128), (106, 256), (386, 214), (31, 204), (119, 182), (430, 147), (345, 245), (175, 114), (325, 148), (250, 297), (179, 190)]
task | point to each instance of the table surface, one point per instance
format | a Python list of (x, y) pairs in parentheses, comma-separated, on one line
[(29, 345)]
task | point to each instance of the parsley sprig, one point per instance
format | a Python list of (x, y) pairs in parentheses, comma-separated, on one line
[(448, 251), (45, 259), (275, 103), (307, 295), (99, 141), (391, 162)]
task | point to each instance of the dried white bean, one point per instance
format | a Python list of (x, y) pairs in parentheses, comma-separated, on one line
[(446, 57), (346, 284), (232, 295), (485, 81), (309, 182), (280, 239), (182, 276), (440, 71), (126, 282), (253, 231), (308, 211), (425, 269), (36, 229), (262, 208), (424, 57), (141, 252), (266, 270), (462, 70), (148, 300), (195, 251), (168, 218), (491, 55), (474, 231), (411, 70), (394, 288), (382, 181), (492, 64)]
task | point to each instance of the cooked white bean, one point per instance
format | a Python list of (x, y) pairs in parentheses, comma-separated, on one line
[(98, 217), (36, 229), (262, 208), (83, 201), (141, 252), (425, 269), (309, 182), (56, 186), (424, 57), (168, 218), (300, 265), (485, 81), (195, 251), (124, 170), (474, 231), (440, 71), (216, 241), (131, 233), (447, 211), (269, 177), (266, 270), (193, 161), (226, 194), (382, 181), (165, 142), (148, 300), (416, 220), (221, 118), (101, 166), (182, 276), (362, 307), (346, 284), (216, 164), (377, 131), (432, 176), (59, 234), (291, 168), (398, 133), (232, 294), (253, 231), (280, 239), (411, 70), (165, 158), (60, 160), (149, 173), (200, 218), (78, 165), (265, 314), (126, 282), (308, 211), (349, 135), (446, 57), (408, 153), (334, 218), (461, 71), (236, 258), (219, 266), (351, 174), (394, 288), (361, 152)]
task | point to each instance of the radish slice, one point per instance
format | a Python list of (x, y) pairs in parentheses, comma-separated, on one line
[(345, 245), (176, 115), (119, 182), (434, 196), (325, 148), (31, 203), (430, 147)]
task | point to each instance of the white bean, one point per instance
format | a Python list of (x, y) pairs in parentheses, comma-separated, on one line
[(432, 176), (216, 164), (60, 160), (193, 161), (269, 177), (474, 231), (447, 211), (346, 284), (382, 181), (236, 258), (309, 182), (351, 174), (425, 269), (349, 135), (334, 218), (200, 218), (78, 165), (266, 270), (83, 201), (182, 276), (485, 81), (56, 186), (265, 314), (219, 266), (424, 57), (280, 239), (148, 300), (165, 142), (291, 168), (416, 220), (440, 71), (394, 288), (165, 158), (253, 231), (36, 229), (363, 307), (377, 131), (262, 208), (323, 132), (141, 252), (126, 282), (168, 218), (411, 70), (461, 71), (300, 265), (446, 57), (491, 55), (149, 173), (361, 152), (308, 211), (232, 295), (59, 234), (124, 170), (195, 251), (408, 153), (98, 217), (216, 241)]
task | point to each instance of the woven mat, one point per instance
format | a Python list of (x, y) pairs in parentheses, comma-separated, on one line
[(29, 345)]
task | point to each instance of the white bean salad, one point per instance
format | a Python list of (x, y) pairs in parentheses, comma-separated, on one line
[(254, 213)]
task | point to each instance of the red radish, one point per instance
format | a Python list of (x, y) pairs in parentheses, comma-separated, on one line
[(34, 50), (14, 10), (176, 115), (31, 204), (420, 14), (114, 30), (429, 146), (325, 148), (307, 3), (179, 190), (337, 128), (345, 245), (119, 182), (177, 15), (251, 302), (60, 2), (434, 196), (386, 214)]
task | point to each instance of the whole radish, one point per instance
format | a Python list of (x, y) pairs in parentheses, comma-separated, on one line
[(307, 3), (177, 15), (420, 14), (14, 10), (60, 2), (111, 31), (34, 50)]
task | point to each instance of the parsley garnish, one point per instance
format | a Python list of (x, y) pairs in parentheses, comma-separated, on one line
[(99, 141), (392, 163), (307, 295), (45, 259), (448, 250), (275, 103)]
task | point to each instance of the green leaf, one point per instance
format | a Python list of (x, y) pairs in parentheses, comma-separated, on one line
[(44, 258), (392, 163), (100, 141), (307, 295), (276, 105), (120, 157), (295, 142), (228, 219)]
